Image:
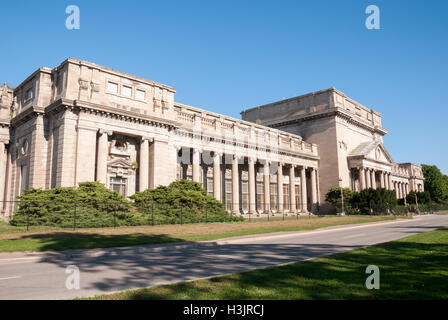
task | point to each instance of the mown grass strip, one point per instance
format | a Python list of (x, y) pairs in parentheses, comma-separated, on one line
[(57, 241)]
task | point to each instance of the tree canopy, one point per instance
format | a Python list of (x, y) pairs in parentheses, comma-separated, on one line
[(435, 183)]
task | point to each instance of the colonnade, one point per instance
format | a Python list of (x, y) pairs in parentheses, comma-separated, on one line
[(306, 189)]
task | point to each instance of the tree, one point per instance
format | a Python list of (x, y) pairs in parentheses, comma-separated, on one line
[(435, 183), (183, 199), (334, 196), (374, 200), (422, 197), (93, 204)]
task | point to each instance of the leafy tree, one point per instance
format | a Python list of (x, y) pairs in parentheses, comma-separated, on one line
[(374, 200), (183, 199), (435, 183), (334, 195), (422, 197)]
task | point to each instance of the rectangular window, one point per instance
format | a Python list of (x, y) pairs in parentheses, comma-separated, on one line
[(297, 188), (228, 194), (126, 91), (210, 186), (260, 195), (59, 82), (28, 94), (245, 195), (118, 185), (274, 199), (23, 178), (112, 87), (140, 94), (286, 196)]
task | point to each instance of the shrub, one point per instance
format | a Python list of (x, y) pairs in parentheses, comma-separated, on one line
[(374, 201), (95, 206), (183, 199)]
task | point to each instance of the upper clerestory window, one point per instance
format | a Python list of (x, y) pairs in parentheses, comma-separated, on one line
[(112, 87), (126, 91), (140, 94), (28, 94)]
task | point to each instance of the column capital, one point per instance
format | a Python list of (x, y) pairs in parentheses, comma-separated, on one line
[(104, 131), (251, 160), (149, 139)]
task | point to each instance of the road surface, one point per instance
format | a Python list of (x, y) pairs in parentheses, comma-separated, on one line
[(43, 275)]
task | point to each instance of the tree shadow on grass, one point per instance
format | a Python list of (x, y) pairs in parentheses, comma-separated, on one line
[(408, 270), (58, 241)]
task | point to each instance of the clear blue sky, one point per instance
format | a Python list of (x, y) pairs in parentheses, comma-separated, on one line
[(229, 55)]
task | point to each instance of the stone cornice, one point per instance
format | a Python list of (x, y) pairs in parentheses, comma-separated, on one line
[(333, 112), (85, 106), (26, 115)]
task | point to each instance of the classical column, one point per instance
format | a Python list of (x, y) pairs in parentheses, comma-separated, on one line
[(267, 190), (280, 187), (217, 176), (399, 190), (252, 201), (313, 190), (292, 189), (362, 179), (382, 185), (196, 167), (389, 178), (235, 186), (101, 161), (303, 189), (372, 176), (2, 172), (144, 164), (368, 180), (407, 188)]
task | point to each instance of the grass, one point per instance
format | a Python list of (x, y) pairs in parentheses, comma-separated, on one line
[(12, 240), (415, 267)]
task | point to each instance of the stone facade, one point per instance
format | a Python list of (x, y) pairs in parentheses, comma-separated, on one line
[(84, 122), (350, 140)]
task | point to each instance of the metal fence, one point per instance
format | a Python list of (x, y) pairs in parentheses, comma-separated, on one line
[(388, 209), (96, 214)]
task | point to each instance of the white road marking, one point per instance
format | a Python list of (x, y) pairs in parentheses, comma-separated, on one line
[(15, 277)]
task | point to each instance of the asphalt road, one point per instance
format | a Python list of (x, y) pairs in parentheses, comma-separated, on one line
[(43, 275)]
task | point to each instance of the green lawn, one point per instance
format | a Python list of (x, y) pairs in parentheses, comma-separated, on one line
[(56, 240), (415, 267)]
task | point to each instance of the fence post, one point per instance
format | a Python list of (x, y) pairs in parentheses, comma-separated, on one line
[(28, 218), (115, 216), (181, 222), (152, 213), (74, 218)]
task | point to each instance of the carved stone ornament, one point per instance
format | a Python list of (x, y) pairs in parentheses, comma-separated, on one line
[(83, 84)]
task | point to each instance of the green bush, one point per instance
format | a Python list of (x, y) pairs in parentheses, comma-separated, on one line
[(95, 206), (374, 201), (182, 201)]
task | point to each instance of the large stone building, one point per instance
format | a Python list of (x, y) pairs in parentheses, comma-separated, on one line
[(350, 141), (84, 122)]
